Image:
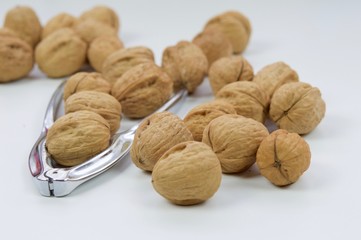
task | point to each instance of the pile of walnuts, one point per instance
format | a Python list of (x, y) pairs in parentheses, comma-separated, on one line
[(186, 156)]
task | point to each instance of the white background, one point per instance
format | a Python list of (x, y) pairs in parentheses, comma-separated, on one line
[(320, 39)]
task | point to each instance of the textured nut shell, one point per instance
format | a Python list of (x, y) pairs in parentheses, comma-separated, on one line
[(242, 18), (297, 107), (214, 44), (16, 58), (227, 70), (102, 103), (6, 32), (283, 157), (24, 21), (186, 64), (76, 137), (154, 136), (117, 63), (188, 173), (100, 48), (62, 20), (234, 29), (103, 14), (61, 53), (274, 75), (90, 29), (84, 81), (235, 140), (199, 117), (142, 90), (247, 98)]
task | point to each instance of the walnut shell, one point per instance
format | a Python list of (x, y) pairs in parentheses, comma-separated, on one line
[(235, 140), (84, 81), (16, 58), (102, 103), (186, 64), (24, 21), (6, 32), (100, 48), (227, 70), (90, 29), (274, 75), (188, 173), (297, 107), (154, 136), (76, 137), (62, 20), (199, 117), (117, 63), (247, 98), (142, 90), (283, 157), (214, 44), (102, 14), (61, 53), (235, 26)]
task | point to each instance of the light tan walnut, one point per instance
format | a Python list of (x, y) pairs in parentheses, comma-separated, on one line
[(16, 58), (62, 20), (90, 29), (274, 75), (235, 26), (247, 98), (186, 64), (117, 63), (84, 81), (235, 140), (199, 117), (142, 90), (76, 137), (214, 44), (229, 69), (102, 14), (297, 107), (24, 21), (283, 157), (102, 103), (154, 136), (188, 173), (6, 32), (60, 54), (100, 48)]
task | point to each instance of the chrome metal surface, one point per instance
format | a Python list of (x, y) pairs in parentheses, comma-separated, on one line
[(56, 181)]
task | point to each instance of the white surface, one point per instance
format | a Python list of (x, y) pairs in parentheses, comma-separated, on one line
[(320, 39)]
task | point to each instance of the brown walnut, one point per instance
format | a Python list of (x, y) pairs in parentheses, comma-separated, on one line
[(102, 14), (62, 20)]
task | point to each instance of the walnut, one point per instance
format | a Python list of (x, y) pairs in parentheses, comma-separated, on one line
[(142, 90), (90, 29), (84, 81), (274, 75), (61, 53), (16, 58), (100, 48), (297, 107), (6, 32), (214, 44), (76, 137), (103, 14), (186, 64), (117, 63), (235, 140), (227, 70), (283, 157), (24, 21), (188, 173), (154, 136), (62, 20), (247, 98), (102, 103), (235, 26), (199, 117)]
